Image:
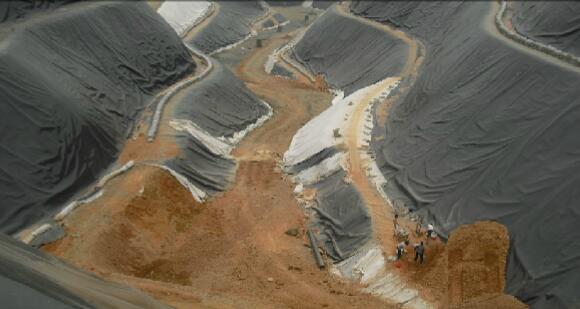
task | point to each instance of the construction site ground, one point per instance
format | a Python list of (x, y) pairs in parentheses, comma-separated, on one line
[(230, 252), (233, 250)]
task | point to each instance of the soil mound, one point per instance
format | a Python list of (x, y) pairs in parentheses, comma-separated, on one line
[(476, 261)]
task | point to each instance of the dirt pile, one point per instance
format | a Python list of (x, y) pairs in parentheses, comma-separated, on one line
[(231, 250), (476, 259), (467, 272), (496, 301)]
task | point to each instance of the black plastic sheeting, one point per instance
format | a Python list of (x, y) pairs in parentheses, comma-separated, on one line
[(281, 71), (284, 2), (321, 4), (71, 84), (556, 23), (15, 9), (343, 220), (204, 169), (489, 132), (279, 18), (268, 23), (220, 104), (351, 54), (312, 161), (232, 24), (31, 279)]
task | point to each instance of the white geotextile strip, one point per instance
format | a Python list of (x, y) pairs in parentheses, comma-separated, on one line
[(35, 233), (168, 94), (184, 15), (115, 173), (320, 171), (372, 169), (367, 266), (252, 33), (217, 146), (319, 133), (544, 48), (238, 136), (99, 187), (198, 194), (276, 26), (75, 204), (221, 146), (290, 46)]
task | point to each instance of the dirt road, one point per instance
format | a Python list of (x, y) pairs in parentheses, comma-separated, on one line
[(381, 211)]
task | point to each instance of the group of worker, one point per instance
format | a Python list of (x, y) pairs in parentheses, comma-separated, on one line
[(419, 248)]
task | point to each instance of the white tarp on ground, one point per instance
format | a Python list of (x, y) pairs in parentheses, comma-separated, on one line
[(183, 15), (319, 133), (217, 146), (320, 171)]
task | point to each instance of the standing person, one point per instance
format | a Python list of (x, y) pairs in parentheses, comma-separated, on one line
[(401, 249), (419, 251), (395, 225), (429, 231), (418, 226)]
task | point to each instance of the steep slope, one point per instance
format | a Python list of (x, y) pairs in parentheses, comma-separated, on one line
[(232, 23), (556, 23), (73, 82), (332, 46), (16, 9), (487, 132), (31, 279)]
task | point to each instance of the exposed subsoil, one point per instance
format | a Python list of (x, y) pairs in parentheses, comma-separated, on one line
[(230, 252)]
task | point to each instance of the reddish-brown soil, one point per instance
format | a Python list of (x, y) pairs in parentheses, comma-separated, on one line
[(467, 272), (230, 252), (495, 301), (476, 261)]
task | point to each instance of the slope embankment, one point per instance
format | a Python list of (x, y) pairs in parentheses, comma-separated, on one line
[(486, 133), (33, 279), (552, 23), (74, 96), (232, 23), (332, 47)]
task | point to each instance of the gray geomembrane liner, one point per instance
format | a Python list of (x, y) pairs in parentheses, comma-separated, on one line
[(220, 104), (204, 169), (32, 279), (488, 132), (555, 23), (232, 23), (322, 4), (343, 220), (350, 54), (17, 9), (72, 85)]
